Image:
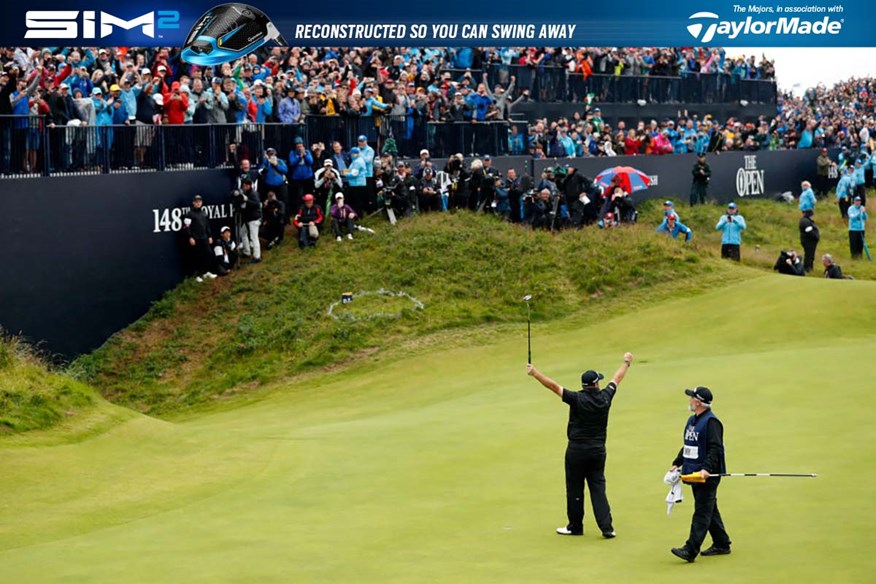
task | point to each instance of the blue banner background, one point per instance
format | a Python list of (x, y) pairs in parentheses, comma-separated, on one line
[(631, 23)]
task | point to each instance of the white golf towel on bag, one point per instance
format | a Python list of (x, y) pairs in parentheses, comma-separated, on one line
[(673, 478)]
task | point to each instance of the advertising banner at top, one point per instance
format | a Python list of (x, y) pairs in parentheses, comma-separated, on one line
[(207, 27)]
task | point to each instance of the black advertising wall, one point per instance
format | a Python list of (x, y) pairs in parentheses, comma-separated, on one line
[(734, 174), (85, 256)]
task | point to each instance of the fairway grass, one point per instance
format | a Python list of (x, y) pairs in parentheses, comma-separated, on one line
[(447, 466)]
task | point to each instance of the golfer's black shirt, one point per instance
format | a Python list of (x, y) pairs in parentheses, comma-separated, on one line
[(588, 415)]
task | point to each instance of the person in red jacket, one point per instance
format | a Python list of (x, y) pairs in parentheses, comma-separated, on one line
[(632, 143), (308, 220), (175, 104)]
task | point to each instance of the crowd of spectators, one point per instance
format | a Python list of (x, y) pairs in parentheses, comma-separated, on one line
[(842, 116), (63, 87)]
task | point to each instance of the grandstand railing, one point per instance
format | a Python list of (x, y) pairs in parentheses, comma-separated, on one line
[(557, 84), (29, 146)]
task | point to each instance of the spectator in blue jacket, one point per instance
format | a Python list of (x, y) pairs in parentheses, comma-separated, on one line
[(669, 209), (731, 225), (357, 177), (340, 159), (372, 103), (481, 102), (263, 104), (515, 142), (367, 154), (79, 79), (859, 180), (845, 191), (807, 197), (301, 167), (273, 172), (672, 227), (857, 223), (290, 108)]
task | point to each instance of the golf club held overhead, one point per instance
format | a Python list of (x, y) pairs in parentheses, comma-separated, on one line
[(526, 299)]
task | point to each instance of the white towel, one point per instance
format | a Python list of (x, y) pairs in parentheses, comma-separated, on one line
[(673, 478)]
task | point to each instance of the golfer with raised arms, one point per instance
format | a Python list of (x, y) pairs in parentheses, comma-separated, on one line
[(703, 453), (585, 454)]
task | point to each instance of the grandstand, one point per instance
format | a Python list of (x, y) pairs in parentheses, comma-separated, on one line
[(122, 111)]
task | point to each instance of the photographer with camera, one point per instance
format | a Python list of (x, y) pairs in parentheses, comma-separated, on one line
[(459, 182), (428, 197), (405, 190), (274, 220), (789, 263), (620, 206), (702, 174), (542, 215), (301, 167), (248, 207), (274, 169), (326, 182), (225, 250), (501, 200), (731, 225)]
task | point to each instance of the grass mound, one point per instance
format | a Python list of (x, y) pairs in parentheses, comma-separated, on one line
[(32, 397), (204, 342), (771, 227)]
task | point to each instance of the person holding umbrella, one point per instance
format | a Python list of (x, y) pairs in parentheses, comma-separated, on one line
[(585, 454), (627, 178)]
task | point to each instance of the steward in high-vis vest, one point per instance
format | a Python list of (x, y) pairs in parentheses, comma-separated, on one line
[(703, 452)]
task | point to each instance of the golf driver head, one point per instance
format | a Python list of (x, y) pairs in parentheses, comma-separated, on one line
[(527, 298), (227, 32)]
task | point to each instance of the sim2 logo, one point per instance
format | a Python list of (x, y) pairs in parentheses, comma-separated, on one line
[(73, 24), (706, 25)]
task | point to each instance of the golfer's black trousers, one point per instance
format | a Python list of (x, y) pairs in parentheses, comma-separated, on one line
[(585, 463), (706, 517)]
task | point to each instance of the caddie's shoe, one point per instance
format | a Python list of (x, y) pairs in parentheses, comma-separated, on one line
[(716, 551), (567, 531), (683, 554), (609, 534), (349, 236)]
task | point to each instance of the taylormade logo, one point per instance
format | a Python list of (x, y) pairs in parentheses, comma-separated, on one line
[(707, 24)]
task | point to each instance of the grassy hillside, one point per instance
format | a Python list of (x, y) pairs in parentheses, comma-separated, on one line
[(772, 227), (33, 398), (211, 341)]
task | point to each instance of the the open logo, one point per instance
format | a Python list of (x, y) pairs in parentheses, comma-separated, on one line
[(707, 20)]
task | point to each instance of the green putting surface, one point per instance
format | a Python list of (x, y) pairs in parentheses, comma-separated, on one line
[(448, 467)]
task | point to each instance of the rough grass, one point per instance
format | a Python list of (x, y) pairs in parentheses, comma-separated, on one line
[(204, 342), (32, 397), (772, 227), (207, 342), (204, 345)]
